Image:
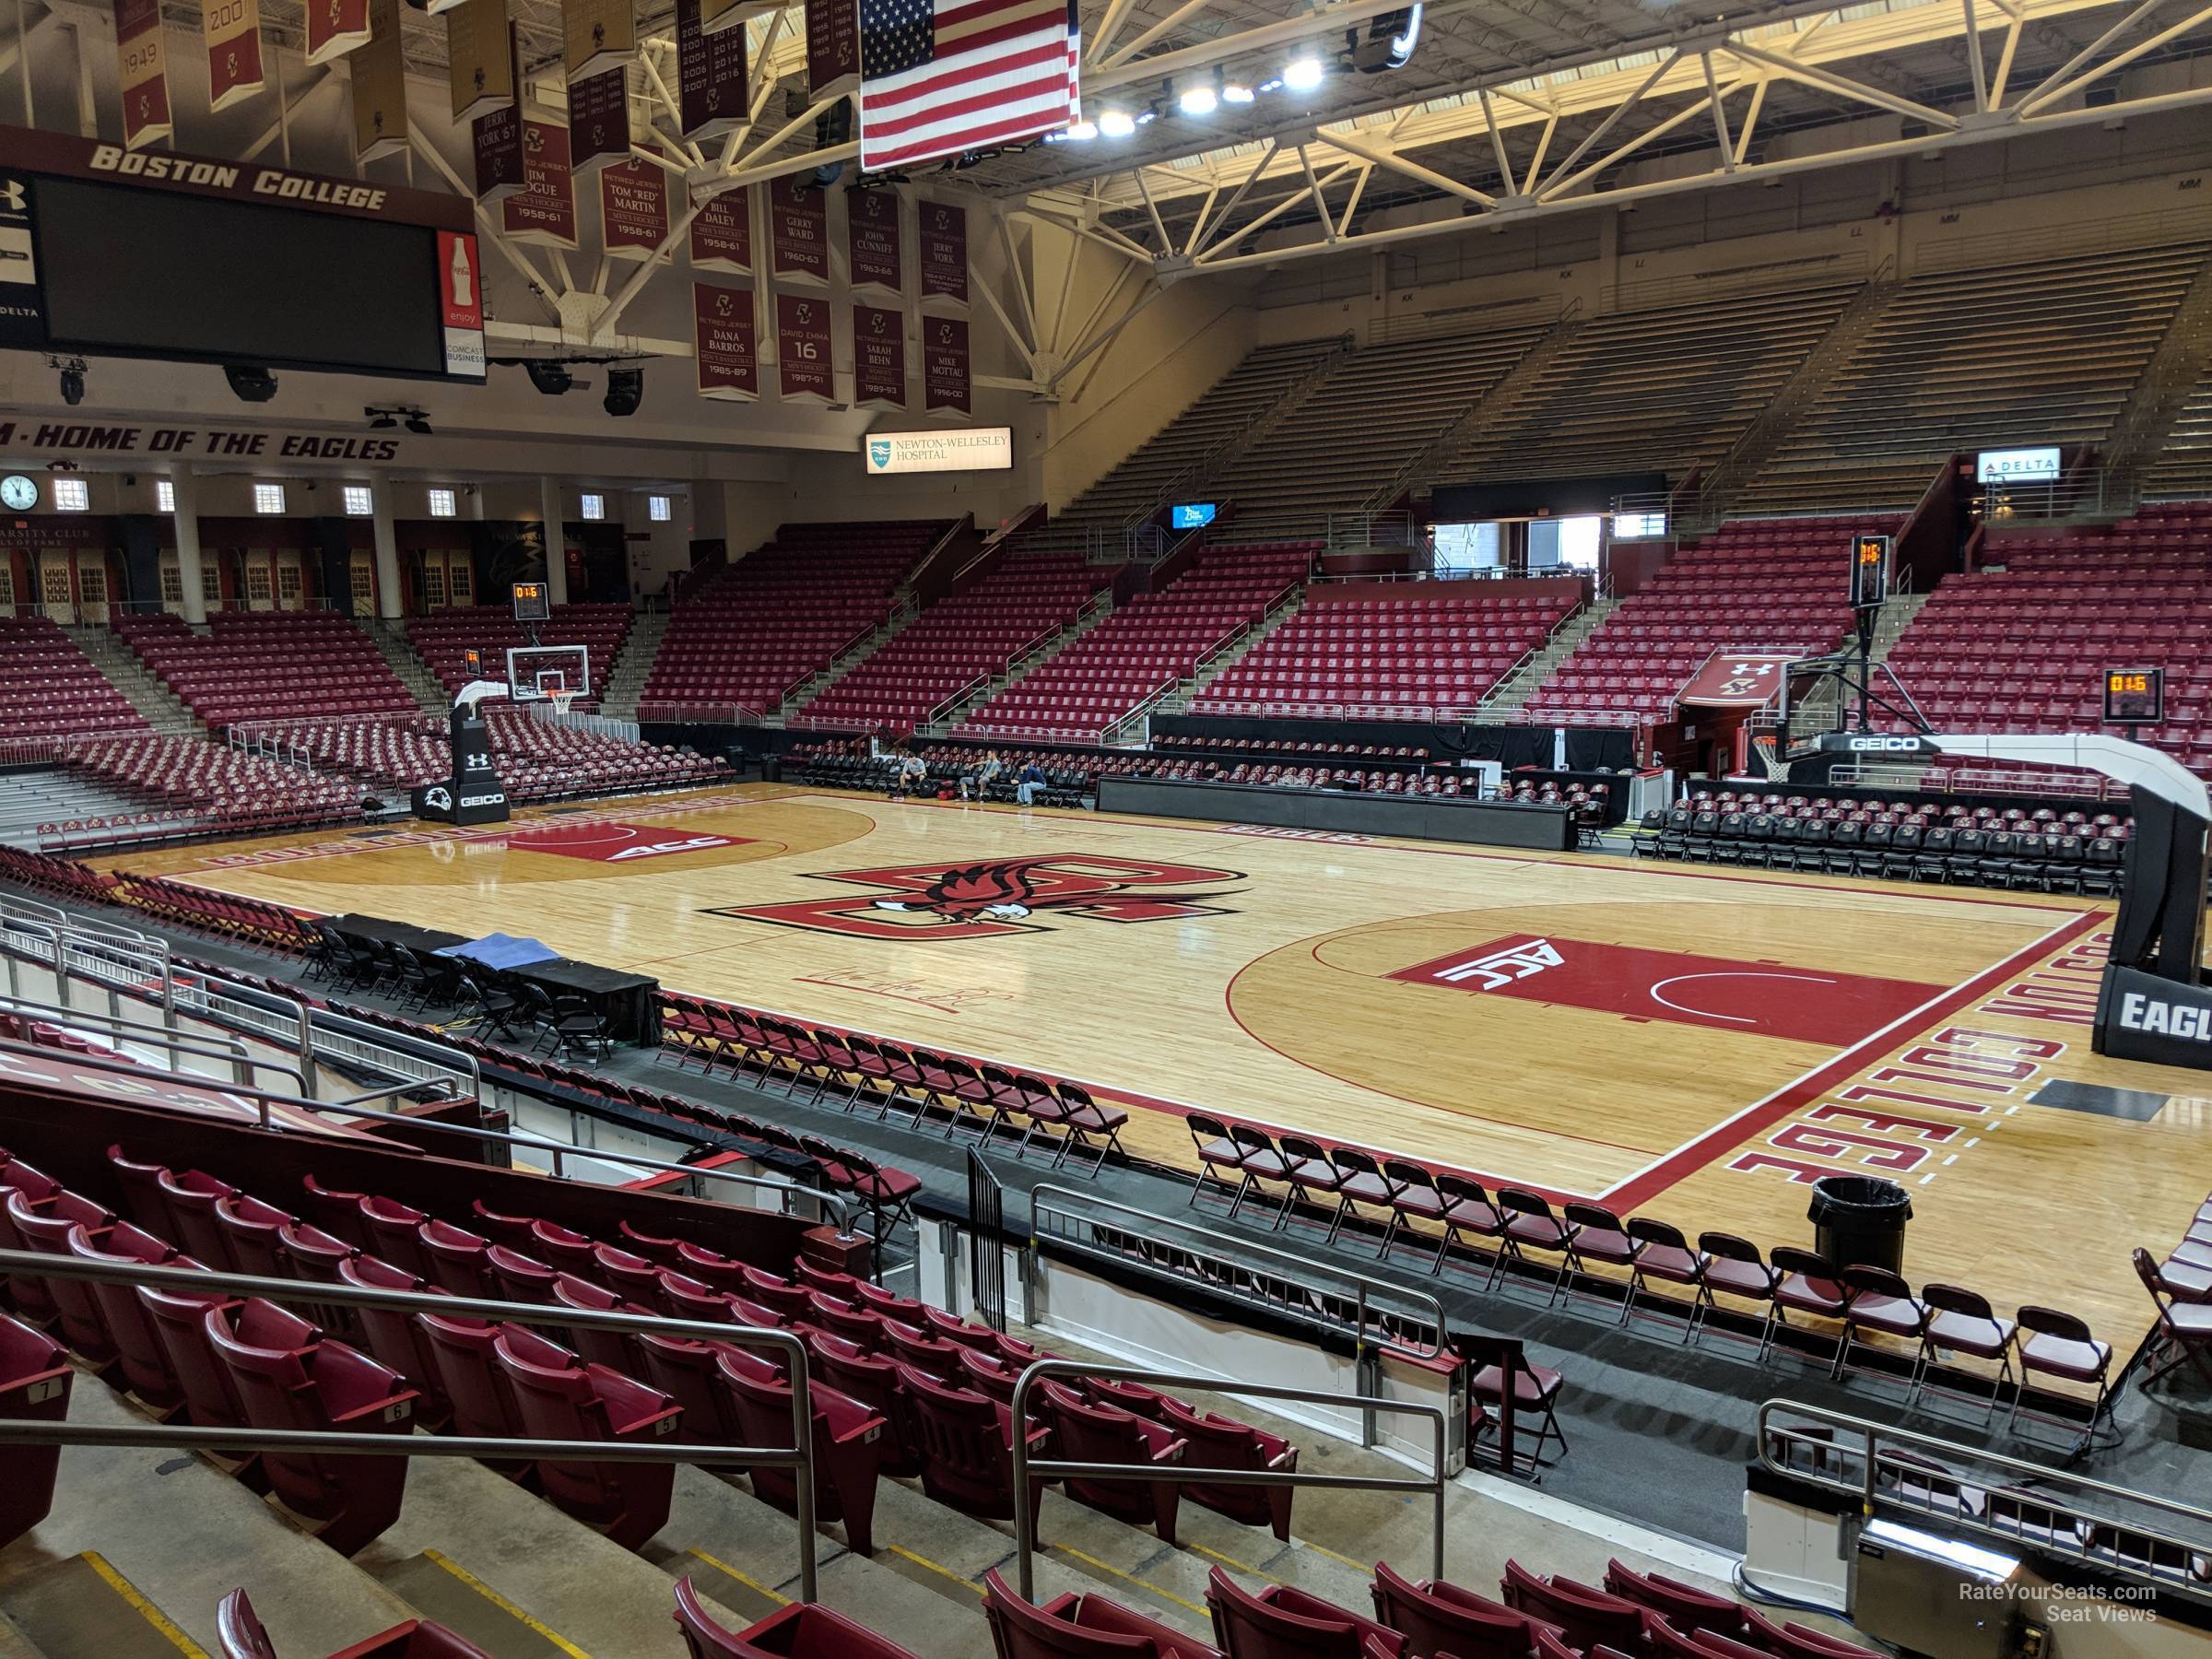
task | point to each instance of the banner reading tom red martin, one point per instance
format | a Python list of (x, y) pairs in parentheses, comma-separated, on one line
[(633, 209)]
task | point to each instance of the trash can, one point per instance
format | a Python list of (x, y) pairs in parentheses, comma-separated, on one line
[(771, 769), (1860, 1219)]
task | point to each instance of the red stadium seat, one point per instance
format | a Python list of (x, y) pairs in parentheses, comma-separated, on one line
[(1284, 1622), (1079, 1627), (802, 1631), (241, 1633), (35, 1379), (559, 1398)]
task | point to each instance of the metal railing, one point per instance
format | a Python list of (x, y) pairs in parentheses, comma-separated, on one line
[(1376, 1312), (799, 1456), (1026, 1468), (176, 1046), (670, 712), (2052, 1512), (1964, 779)]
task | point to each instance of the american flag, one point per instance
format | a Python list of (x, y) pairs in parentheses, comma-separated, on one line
[(941, 77)]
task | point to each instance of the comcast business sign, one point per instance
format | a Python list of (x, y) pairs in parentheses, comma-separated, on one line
[(970, 448)]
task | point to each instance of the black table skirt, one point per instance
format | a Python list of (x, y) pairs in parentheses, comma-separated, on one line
[(625, 1000)]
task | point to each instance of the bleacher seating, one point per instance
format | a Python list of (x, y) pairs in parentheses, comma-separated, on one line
[(1146, 646), (441, 638), (2041, 353), (2182, 467), (1220, 413), (52, 687), (1435, 647), (1020, 602), (536, 759), (215, 784), (269, 665), (845, 763), (1763, 586), (2023, 648), (1351, 436), (1651, 390), (766, 624)]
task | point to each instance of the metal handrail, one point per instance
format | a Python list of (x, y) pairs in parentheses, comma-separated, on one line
[(1232, 1247), (173, 1044), (1024, 1468), (799, 1456), (260, 1099), (2039, 1486)]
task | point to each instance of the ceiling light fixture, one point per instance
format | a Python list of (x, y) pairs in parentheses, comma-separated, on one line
[(1116, 124), (1198, 97), (1302, 73)]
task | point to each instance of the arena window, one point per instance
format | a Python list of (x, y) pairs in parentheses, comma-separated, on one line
[(658, 509), (72, 495), (165, 496), (359, 503), (593, 508), (268, 498), (442, 504)]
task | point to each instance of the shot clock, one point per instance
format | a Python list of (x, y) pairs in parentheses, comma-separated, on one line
[(2134, 696), (1869, 571)]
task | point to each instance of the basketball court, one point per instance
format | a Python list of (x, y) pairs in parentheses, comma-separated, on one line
[(1691, 1043)]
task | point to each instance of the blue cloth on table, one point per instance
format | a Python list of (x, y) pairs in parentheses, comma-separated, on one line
[(502, 950)]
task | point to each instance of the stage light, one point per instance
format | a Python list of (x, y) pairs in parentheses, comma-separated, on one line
[(1083, 132), (550, 377), (1198, 97), (1302, 73), (417, 424), (1232, 93), (625, 392), (72, 384), (381, 420), (1116, 124), (250, 382)]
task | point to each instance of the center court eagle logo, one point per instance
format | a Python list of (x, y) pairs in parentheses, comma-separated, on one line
[(1000, 896)]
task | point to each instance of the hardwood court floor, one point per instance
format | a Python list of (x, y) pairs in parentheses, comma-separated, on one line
[(1693, 1043)]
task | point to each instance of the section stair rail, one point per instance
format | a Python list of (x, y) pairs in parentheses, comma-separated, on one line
[(798, 1457)]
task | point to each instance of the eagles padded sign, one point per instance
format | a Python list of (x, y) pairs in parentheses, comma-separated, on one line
[(1738, 679), (480, 62), (233, 29), (597, 35), (380, 87)]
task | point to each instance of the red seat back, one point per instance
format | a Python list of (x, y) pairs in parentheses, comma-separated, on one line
[(35, 1379)]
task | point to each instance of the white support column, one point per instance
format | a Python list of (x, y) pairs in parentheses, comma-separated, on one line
[(388, 595), (556, 540), (186, 518)]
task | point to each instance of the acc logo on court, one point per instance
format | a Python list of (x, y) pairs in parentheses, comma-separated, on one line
[(1497, 967), (999, 895)]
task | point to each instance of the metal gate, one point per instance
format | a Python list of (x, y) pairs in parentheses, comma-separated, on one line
[(986, 1242)]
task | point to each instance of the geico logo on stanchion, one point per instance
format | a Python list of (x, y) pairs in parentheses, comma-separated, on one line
[(1886, 745), (497, 798), (2140, 1013)]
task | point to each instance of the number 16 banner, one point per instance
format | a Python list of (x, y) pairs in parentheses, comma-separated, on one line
[(803, 365)]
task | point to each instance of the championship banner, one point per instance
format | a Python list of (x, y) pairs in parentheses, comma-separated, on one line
[(232, 29), (597, 35), (722, 235), (543, 213), (721, 337), (709, 73), (798, 230), (879, 357), (633, 209), (803, 361), (833, 47), (715, 16), (872, 253), (943, 248), (599, 120), (143, 67), (945, 365), (479, 57), (335, 27), (380, 87)]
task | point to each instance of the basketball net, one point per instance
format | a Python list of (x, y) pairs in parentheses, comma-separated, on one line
[(560, 701)]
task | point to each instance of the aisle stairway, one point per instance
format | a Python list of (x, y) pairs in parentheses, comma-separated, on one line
[(413, 672), (1513, 691), (164, 711), (625, 682)]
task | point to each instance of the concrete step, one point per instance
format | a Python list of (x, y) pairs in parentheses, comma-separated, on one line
[(449, 1594), (16, 1644), (181, 1535), (414, 673), (625, 681), (163, 710)]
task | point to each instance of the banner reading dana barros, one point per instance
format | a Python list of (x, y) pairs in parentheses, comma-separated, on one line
[(722, 331), (969, 448)]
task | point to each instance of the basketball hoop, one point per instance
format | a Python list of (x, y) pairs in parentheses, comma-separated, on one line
[(560, 701)]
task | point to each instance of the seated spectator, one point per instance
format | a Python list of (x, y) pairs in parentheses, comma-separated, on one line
[(1032, 780), (975, 782), (912, 772)]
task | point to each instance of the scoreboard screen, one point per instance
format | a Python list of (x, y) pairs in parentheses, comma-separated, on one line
[(1869, 571), (110, 252), (2134, 696), (531, 604)]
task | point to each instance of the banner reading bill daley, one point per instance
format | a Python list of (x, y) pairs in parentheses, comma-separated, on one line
[(722, 236), (143, 66), (722, 340), (233, 29)]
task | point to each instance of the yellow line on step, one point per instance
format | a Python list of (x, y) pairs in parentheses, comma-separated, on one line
[(753, 1585), (1367, 1567), (941, 1571), (1232, 1561), (143, 1609), (1130, 1578), (504, 1605)]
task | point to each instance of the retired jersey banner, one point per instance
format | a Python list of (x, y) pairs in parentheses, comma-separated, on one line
[(945, 365), (798, 230), (380, 87), (479, 57), (596, 36), (232, 29), (709, 73), (598, 120), (497, 139), (833, 46), (803, 361), (722, 235), (878, 358), (543, 213), (633, 209), (721, 335), (943, 248), (872, 252), (143, 67), (335, 27)]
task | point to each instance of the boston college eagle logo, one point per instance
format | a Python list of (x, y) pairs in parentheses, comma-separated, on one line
[(1000, 896)]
